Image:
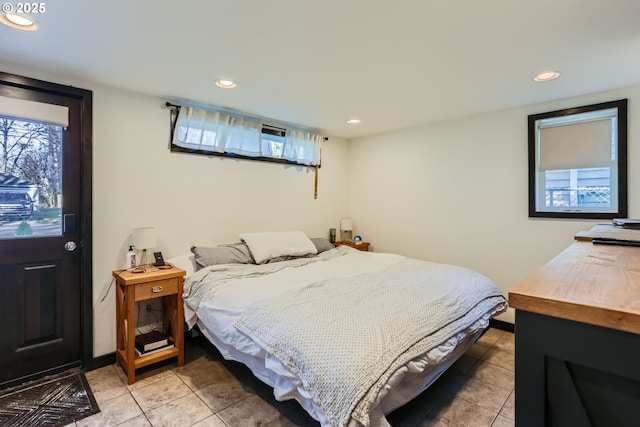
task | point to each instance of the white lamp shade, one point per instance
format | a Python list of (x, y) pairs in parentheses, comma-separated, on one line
[(346, 224), (144, 237)]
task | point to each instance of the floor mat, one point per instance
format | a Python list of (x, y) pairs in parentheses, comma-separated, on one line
[(52, 401)]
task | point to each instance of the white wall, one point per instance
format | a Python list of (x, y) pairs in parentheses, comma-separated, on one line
[(189, 199), (452, 192), (456, 192)]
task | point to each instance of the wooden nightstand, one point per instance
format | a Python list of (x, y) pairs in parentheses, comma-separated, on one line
[(133, 287), (363, 246)]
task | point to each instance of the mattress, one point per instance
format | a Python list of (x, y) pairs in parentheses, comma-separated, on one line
[(217, 297)]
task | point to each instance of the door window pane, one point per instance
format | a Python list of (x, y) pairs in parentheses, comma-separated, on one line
[(30, 178)]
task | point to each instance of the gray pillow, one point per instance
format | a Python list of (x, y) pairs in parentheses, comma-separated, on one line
[(322, 244), (236, 253)]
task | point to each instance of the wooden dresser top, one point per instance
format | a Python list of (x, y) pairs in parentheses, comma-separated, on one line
[(589, 283)]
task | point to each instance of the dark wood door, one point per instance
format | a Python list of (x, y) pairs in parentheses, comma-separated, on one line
[(45, 254)]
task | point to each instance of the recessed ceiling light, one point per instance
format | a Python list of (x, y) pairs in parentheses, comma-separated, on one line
[(546, 76), (18, 21), (225, 84), (354, 121)]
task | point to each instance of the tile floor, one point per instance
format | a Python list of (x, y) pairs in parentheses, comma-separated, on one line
[(208, 391)]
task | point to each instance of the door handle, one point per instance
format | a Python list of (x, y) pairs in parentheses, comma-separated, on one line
[(70, 246)]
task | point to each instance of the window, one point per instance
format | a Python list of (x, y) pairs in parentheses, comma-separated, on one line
[(221, 133), (31, 142), (578, 162)]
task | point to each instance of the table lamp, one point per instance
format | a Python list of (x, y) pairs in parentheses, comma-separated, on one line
[(143, 238), (346, 227)]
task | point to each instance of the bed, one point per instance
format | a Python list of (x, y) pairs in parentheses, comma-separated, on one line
[(350, 335)]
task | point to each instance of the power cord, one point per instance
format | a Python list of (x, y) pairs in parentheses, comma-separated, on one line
[(113, 279), (154, 312)]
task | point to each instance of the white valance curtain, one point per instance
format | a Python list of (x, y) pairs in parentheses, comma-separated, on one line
[(302, 147), (218, 132), (222, 132)]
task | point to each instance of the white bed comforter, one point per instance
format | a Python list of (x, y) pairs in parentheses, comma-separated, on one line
[(377, 321)]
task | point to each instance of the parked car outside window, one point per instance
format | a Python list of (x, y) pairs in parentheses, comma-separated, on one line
[(15, 206)]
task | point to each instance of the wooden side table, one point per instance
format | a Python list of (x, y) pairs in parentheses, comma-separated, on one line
[(133, 287), (362, 246)]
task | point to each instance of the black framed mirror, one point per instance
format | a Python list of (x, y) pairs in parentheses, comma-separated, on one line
[(578, 162)]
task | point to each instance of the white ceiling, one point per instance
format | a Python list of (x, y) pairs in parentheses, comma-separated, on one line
[(393, 64)]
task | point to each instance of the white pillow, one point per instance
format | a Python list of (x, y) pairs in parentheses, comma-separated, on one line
[(269, 245), (186, 262)]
